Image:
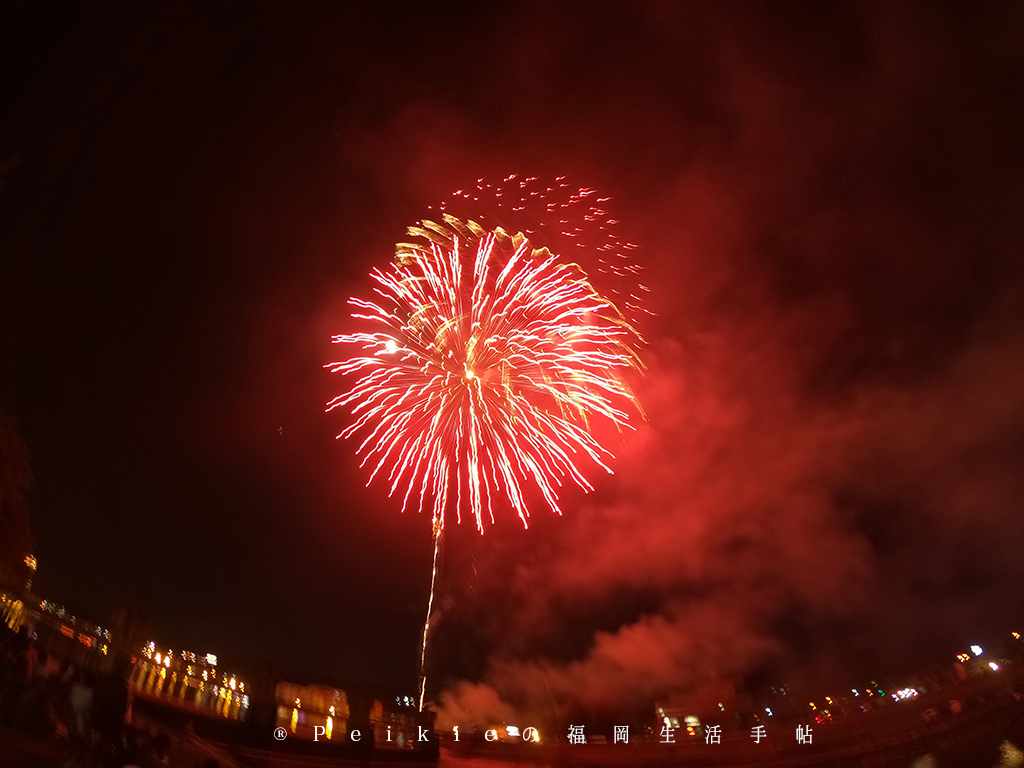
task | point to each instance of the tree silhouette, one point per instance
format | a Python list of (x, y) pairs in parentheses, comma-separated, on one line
[(15, 482)]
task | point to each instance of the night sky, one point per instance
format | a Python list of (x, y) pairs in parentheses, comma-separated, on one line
[(828, 200)]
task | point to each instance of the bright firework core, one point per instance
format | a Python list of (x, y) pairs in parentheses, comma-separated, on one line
[(483, 364)]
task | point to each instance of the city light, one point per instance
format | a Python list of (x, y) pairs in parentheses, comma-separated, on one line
[(977, 650)]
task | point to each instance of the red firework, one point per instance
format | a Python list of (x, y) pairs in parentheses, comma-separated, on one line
[(483, 363)]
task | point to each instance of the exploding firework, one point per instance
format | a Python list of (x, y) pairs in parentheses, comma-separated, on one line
[(489, 356), (485, 363)]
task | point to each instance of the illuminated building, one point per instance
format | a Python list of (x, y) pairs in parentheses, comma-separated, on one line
[(65, 634), (189, 680), (301, 708), (12, 610)]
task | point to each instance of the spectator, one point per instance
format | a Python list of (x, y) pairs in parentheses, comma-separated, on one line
[(80, 696), (110, 705), (33, 712)]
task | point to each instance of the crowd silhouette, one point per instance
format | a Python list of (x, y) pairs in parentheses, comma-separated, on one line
[(83, 706)]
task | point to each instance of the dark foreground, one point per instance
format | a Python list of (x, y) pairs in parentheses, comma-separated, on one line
[(987, 735), (977, 724)]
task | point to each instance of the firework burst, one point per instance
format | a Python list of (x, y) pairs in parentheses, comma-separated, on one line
[(484, 364), (487, 358)]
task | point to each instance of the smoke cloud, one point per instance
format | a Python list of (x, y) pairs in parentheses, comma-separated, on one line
[(828, 482)]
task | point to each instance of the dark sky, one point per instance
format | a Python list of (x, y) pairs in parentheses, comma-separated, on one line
[(828, 201)]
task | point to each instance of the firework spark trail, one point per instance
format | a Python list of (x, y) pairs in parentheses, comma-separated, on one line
[(572, 221), (438, 533), (487, 362)]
